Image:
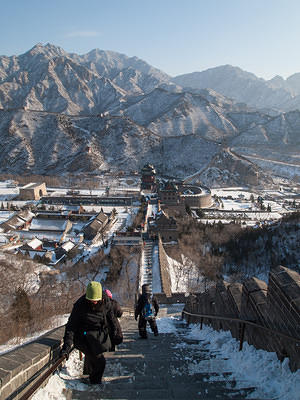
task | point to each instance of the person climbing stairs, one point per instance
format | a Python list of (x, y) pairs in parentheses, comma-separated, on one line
[(160, 368)]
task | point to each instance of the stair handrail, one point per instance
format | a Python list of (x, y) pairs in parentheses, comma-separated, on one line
[(43, 376), (243, 323)]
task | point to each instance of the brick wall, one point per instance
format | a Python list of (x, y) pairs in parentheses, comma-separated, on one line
[(164, 270), (275, 306), (20, 365), (284, 310)]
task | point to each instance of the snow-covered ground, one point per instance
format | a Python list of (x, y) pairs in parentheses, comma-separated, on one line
[(287, 170), (255, 368), (236, 204), (231, 191), (259, 368), (184, 276), (241, 195)]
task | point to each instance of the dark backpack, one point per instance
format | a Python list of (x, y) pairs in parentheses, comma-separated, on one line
[(147, 311)]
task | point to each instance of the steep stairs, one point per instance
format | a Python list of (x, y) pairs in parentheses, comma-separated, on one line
[(160, 368), (147, 266)]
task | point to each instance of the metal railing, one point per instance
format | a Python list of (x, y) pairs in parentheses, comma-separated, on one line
[(242, 326), (51, 369), (42, 378)]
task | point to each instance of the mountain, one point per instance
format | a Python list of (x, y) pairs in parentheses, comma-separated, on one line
[(44, 143), (245, 87), (168, 113), (132, 74), (50, 80), (62, 112), (228, 168)]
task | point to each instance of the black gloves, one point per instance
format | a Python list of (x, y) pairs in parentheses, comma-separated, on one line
[(135, 317), (64, 353)]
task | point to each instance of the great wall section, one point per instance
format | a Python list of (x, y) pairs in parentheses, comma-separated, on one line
[(266, 316), (275, 307)]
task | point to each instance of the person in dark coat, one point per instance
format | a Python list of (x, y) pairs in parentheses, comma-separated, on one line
[(145, 299), (88, 330), (118, 312)]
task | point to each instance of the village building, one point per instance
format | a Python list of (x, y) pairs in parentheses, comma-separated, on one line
[(52, 225), (33, 191), (196, 196), (86, 200), (177, 196), (164, 225), (65, 214), (64, 249), (34, 244), (96, 226), (17, 221), (49, 254), (169, 194), (148, 177), (72, 209), (127, 239), (52, 215)]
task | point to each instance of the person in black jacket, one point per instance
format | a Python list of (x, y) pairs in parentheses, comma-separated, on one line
[(88, 329), (147, 309), (118, 312)]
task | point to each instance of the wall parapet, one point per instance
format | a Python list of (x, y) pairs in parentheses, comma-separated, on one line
[(164, 269), (23, 365), (275, 306)]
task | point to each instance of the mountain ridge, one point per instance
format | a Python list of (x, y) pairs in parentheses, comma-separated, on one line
[(130, 114)]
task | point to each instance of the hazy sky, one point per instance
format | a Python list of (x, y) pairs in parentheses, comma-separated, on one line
[(176, 36)]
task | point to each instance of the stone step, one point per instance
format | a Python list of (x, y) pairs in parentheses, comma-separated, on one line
[(106, 393), (176, 390)]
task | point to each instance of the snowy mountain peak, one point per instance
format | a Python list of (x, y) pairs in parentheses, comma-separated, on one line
[(133, 113), (49, 50)]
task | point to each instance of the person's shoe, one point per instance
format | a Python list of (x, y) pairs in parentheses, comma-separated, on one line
[(155, 333)]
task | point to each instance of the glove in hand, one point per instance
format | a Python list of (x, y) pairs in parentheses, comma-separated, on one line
[(64, 353)]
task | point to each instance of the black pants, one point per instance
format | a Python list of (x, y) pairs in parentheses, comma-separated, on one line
[(94, 366), (93, 349), (142, 325)]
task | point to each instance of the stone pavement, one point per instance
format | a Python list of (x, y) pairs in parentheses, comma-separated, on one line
[(158, 368)]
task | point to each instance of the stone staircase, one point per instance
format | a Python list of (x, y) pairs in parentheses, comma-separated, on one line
[(147, 267), (160, 368)]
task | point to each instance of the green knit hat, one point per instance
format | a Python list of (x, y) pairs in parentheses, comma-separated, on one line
[(94, 291)]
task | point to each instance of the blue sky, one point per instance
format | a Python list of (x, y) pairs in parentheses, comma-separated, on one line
[(176, 36)]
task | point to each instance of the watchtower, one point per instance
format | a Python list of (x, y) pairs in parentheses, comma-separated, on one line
[(148, 177)]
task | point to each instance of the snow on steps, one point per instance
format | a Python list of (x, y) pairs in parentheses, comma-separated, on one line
[(160, 368)]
